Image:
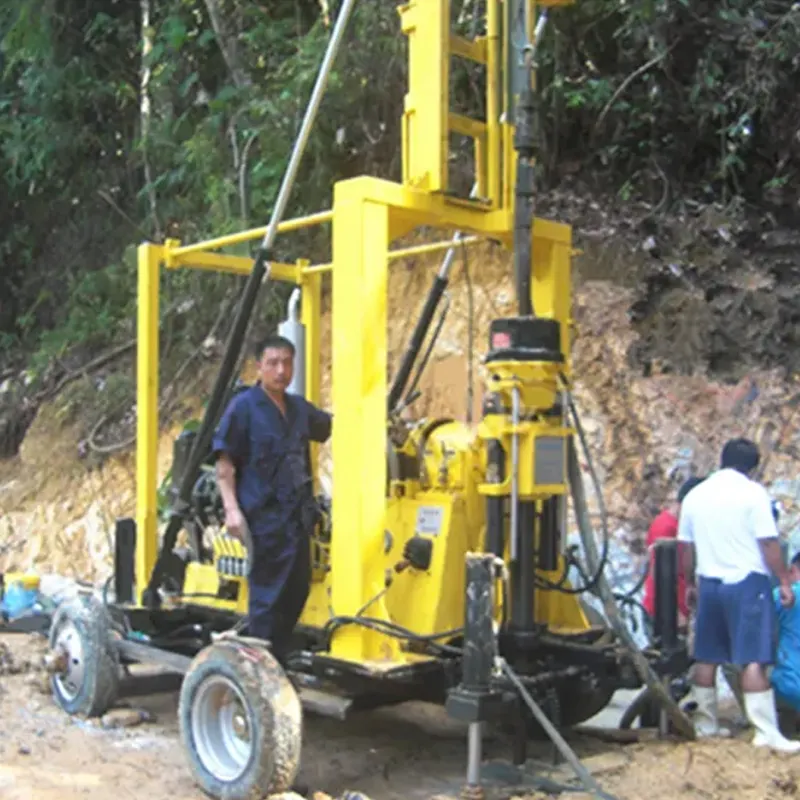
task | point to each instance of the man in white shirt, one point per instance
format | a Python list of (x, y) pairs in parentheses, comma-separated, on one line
[(728, 518)]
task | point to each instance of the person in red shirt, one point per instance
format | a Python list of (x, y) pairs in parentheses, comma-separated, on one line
[(665, 526)]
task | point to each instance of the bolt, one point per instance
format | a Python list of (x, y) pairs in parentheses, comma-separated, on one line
[(240, 726)]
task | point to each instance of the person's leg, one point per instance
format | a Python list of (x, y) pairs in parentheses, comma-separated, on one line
[(752, 617), (268, 574), (293, 596), (711, 648)]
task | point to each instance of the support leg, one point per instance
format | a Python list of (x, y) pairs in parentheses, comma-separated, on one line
[(360, 277), (149, 258)]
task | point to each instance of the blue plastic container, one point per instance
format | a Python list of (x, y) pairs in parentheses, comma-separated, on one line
[(20, 596)]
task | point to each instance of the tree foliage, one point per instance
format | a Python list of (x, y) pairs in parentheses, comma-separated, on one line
[(670, 97)]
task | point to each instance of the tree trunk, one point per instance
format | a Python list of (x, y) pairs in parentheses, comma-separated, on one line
[(145, 111), (226, 39)]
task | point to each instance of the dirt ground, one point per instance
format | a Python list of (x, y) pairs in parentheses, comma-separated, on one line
[(412, 752)]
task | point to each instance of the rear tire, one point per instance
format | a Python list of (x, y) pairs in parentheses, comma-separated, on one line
[(241, 722), (88, 684)]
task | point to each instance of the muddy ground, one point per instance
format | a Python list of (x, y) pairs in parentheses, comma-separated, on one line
[(412, 752)]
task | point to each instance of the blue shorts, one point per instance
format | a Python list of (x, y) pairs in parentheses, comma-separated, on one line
[(736, 622)]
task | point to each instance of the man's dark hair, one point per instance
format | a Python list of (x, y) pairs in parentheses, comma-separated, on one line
[(276, 342), (687, 487), (741, 455), (795, 562)]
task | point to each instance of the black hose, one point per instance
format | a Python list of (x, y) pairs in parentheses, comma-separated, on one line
[(427, 357), (415, 345), (397, 632)]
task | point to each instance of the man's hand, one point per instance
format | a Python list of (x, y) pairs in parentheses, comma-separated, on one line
[(691, 598), (786, 594), (235, 523)]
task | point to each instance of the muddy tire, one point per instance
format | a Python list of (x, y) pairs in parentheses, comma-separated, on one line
[(88, 684), (241, 723)]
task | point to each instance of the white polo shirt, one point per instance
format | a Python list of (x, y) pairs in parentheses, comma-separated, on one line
[(724, 517)]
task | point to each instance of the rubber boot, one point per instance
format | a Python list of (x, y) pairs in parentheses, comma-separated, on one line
[(761, 711), (704, 716)]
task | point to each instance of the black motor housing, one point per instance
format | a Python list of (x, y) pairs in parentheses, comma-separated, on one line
[(525, 339)]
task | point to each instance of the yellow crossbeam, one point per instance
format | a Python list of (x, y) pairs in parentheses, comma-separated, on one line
[(255, 233)]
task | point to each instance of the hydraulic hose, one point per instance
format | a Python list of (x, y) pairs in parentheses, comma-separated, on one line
[(680, 721), (259, 274), (435, 294)]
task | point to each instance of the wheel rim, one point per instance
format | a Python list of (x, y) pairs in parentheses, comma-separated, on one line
[(70, 680), (222, 728)]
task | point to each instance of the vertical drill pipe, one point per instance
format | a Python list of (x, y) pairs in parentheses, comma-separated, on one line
[(258, 274), (495, 506), (523, 570), (523, 214), (514, 522), (525, 143), (550, 534), (666, 599), (479, 648)]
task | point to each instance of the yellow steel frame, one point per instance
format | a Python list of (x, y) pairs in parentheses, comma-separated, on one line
[(367, 215)]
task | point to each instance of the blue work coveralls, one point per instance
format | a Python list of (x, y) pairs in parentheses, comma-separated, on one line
[(275, 494), (786, 674)]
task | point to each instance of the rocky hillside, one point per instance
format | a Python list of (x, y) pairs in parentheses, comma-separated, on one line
[(684, 337)]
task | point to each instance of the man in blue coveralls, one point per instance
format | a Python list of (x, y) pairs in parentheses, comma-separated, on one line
[(262, 451)]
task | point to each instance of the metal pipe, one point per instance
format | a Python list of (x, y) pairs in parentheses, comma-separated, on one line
[(308, 123), (260, 272), (665, 569), (514, 523), (416, 250), (295, 224), (583, 774), (523, 570), (474, 753)]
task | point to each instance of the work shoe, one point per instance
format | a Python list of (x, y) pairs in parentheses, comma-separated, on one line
[(704, 714), (761, 711)]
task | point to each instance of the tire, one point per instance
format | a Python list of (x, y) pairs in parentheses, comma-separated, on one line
[(246, 753), (88, 684)]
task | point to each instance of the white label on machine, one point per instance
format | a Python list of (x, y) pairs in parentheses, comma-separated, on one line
[(429, 520)]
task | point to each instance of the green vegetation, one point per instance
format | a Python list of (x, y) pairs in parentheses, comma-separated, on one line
[(653, 98)]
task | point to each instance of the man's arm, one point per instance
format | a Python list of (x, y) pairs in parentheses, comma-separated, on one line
[(230, 447), (320, 424), (766, 534)]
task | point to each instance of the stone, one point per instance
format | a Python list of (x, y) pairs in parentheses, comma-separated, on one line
[(125, 718)]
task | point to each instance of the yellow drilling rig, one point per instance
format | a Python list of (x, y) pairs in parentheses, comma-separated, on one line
[(440, 569)]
